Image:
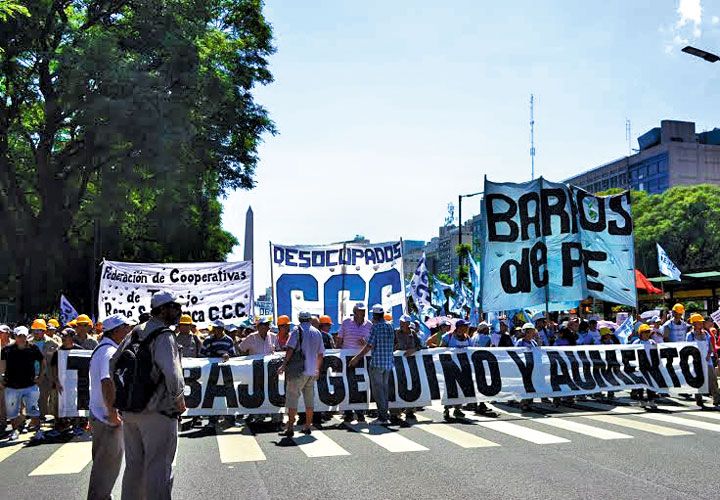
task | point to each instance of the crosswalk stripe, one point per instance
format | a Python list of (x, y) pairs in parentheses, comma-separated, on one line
[(706, 414), (587, 430), (239, 445), (453, 435), (9, 450), (70, 458), (638, 425), (521, 432), (611, 408), (672, 419), (390, 440), (318, 444)]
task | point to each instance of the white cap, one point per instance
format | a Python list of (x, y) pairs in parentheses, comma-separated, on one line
[(528, 326), (164, 297), (218, 324), (5, 328), (483, 324), (21, 330), (378, 309), (360, 306), (538, 316), (405, 318), (114, 321)]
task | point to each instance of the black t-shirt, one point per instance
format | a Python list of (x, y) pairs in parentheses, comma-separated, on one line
[(20, 365)]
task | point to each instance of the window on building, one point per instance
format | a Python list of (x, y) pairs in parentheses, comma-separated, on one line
[(614, 181), (642, 172), (633, 174), (652, 169), (663, 165), (652, 186), (623, 180), (605, 185)]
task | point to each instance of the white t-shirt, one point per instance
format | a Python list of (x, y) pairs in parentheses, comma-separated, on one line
[(100, 370)]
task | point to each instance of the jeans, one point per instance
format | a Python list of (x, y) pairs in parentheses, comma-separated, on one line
[(14, 398), (379, 384)]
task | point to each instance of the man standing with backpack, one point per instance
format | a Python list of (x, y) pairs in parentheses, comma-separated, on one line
[(107, 438), (149, 394)]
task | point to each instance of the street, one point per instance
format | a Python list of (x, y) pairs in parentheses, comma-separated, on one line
[(581, 451)]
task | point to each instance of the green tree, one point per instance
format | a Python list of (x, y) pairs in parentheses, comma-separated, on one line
[(121, 123), (684, 220)]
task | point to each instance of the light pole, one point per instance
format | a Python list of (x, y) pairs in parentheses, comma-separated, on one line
[(460, 222), (702, 54)]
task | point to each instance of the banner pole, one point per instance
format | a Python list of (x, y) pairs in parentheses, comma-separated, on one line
[(342, 288), (272, 283), (402, 279)]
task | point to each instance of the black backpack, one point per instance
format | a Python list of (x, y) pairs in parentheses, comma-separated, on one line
[(133, 384)]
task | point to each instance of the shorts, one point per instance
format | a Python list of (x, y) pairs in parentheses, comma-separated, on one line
[(14, 398), (296, 385)]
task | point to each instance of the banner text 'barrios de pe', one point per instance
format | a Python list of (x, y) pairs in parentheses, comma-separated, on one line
[(548, 243)]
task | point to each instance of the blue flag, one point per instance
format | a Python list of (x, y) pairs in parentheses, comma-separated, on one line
[(67, 311), (625, 330), (424, 332), (438, 293), (419, 287), (666, 266)]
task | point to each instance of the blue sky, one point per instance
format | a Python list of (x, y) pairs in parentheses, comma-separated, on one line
[(387, 111)]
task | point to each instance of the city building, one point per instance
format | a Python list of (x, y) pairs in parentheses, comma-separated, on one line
[(670, 155), (412, 253), (440, 252)]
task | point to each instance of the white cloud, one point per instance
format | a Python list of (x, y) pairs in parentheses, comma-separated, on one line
[(688, 26), (715, 20), (690, 11)]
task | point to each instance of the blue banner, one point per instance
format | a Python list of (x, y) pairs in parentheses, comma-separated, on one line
[(549, 243)]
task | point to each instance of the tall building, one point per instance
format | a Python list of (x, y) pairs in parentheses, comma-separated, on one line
[(412, 253), (670, 155), (441, 252)]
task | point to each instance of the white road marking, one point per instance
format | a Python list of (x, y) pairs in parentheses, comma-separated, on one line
[(637, 425), (453, 435), (672, 419), (70, 458), (239, 445), (390, 440), (318, 444)]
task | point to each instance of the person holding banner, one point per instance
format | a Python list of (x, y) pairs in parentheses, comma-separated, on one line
[(306, 341), (702, 337), (381, 342), (353, 334), (527, 340), (408, 341), (283, 324), (676, 329), (189, 344), (458, 338)]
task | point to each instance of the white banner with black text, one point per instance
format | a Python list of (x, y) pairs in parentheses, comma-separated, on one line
[(250, 384)]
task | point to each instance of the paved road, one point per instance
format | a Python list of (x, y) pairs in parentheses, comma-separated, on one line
[(589, 450)]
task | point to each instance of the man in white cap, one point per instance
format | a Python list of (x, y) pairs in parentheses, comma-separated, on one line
[(308, 340), (353, 334), (21, 379), (105, 422), (151, 433)]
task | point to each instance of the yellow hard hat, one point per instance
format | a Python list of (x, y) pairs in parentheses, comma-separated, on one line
[(644, 328), (72, 324), (83, 319), (605, 331), (679, 308), (39, 324), (185, 319), (695, 318), (53, 322)]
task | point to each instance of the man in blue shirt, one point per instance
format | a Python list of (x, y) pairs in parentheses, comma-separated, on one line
[(382, 342)]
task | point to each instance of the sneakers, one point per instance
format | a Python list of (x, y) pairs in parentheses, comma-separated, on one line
[(39, 436), (458, 413), (14, 435), (446, 414), (395, 420), (361, 418)]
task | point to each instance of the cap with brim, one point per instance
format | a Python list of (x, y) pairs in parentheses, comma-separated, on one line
[(378, 309), (264, 320), (164, 297), (359, 306), (116, 320), (483, 324), (304, 316), (405, 318), (5, 329), (461, 322), (528, 326), (21, 330)]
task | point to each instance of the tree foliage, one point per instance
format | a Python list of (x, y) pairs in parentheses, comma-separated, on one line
[(684, 220), (121, 124)]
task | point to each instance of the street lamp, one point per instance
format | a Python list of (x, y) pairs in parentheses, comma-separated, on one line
[(708, 56), (460, 221)]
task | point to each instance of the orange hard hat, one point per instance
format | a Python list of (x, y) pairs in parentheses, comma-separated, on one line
[(325, 320), (39, 324), (283, 320), (387, 317)]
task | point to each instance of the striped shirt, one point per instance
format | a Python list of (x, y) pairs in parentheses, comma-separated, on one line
[(351, 333), (217, 347)]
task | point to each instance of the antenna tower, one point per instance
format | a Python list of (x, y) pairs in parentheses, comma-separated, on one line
[(628, 136), (532, 137)]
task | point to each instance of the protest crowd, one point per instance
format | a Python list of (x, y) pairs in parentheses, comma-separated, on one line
[(143, 424)]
